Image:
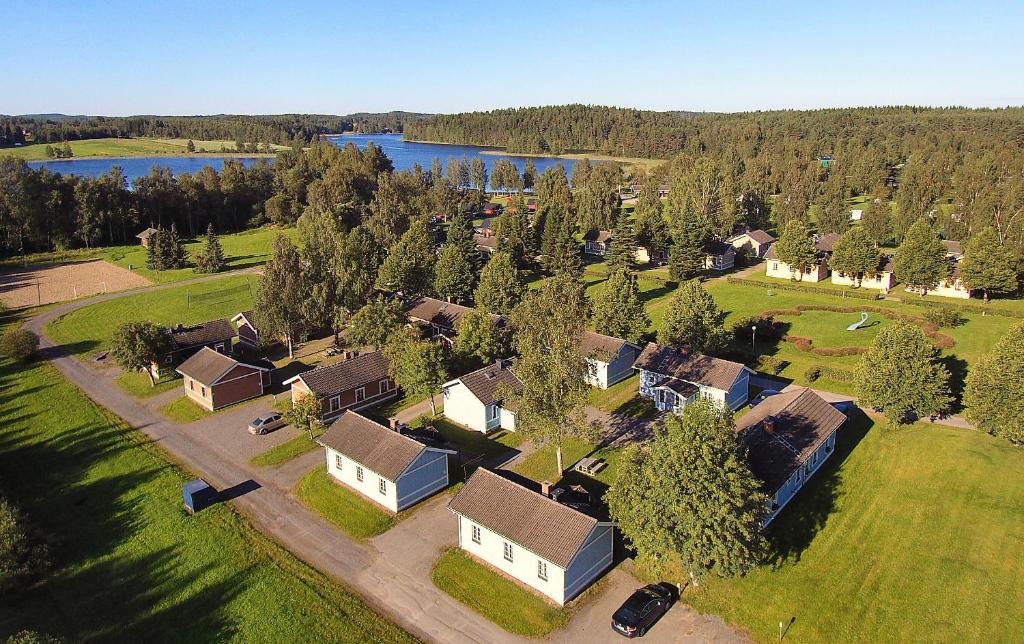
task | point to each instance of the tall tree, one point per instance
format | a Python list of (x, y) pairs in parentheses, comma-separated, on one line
[(306, 412), (920, 260), (479, 338), (211, 258), (409, 267), (478, 174), (374, 323), (618, 309), (623, 250), (501, 288), (417, 365), (355, 268), (455, 273), (855, 255), (694, 320), (515, 235), (139, 345), (282, 294), (994, 392), (320, 238), (901, 375), (796, 248), (705, 517), (876, 221), (988, 265)]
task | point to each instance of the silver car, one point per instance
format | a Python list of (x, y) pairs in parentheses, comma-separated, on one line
[(267, 422)]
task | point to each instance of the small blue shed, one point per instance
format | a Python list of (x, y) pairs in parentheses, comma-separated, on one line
[(198, 494)]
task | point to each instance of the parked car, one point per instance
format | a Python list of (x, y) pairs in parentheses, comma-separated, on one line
[(266, 423), (760, 398), (643, 608)]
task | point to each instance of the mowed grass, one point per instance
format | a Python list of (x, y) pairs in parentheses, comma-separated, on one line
[(129, 563), (183, 411), (349, 511), (88, 329), (916, 536), (497, 598), (542, 465), (143, 146), (285, 452), (137, 383)]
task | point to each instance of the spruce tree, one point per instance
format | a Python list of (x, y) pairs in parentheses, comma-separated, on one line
[(876, 221), (455, 273), (855, 255), (410, 264), (211, 258), (618, 310), (920, 260), (694, 320), (988, 266), (501, 288), (796, 248), (623, 250), (154, 251), (994, 392)]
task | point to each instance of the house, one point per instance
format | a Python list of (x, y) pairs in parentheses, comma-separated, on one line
[(218, 335), (486, 245), (440, 317), (213, 380), (721, 256), (753, 243), (788, 437), (882, 279), (474, 400), (952, 286), (356, 383), (531, 204), (491, 209), (597, 242), (650, 255), (485, 228), (246, 327), (856, 214), (610, 359), (814, 273), (553, 548), (673, 377), (384, 466), (144, 236)]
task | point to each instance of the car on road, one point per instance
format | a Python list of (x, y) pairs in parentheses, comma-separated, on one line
[(643, 608), (760, 398), (266, 423)]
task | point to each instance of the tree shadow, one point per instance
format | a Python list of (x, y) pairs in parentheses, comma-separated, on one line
[(957, 368)]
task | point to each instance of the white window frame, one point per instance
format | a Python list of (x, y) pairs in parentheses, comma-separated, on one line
[(493, 411), (334, 404), (338, 460), (509, 553), (359, 473), (474, 533), (360, 394), (384, 386), (382, 485), (542, 570)]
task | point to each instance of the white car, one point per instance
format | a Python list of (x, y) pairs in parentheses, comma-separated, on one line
[(267, 423)]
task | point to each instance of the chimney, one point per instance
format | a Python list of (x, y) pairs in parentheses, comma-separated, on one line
[(769, 424), (545, 488), (393, 423)]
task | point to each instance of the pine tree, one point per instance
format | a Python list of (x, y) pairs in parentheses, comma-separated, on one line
[(410, 264), (211, 258), (455, 274), (686, 257), (876, 221), (920, 260), (855, 255), (154, 251), (618, 310), (796, 248), (988, 266), (694, 320), (515, 235), (705, 517), (565, 259), (901, 375), (623, 251), (994, 392), (501, 288)]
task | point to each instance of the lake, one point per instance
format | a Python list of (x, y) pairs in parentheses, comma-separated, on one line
[(403, 154)]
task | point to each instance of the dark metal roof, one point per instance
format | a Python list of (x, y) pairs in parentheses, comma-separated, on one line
[(203, 333), (484, 383), (597, 235)]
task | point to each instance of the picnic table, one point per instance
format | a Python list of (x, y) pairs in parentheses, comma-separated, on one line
[(590, 465)]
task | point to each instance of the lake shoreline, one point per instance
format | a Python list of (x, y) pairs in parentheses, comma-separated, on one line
[(569, 156), (172, 155)]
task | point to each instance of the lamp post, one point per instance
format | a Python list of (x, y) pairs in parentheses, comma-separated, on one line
[(753, 335)]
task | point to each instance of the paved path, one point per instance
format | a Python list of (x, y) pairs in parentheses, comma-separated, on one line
[(391, 572)]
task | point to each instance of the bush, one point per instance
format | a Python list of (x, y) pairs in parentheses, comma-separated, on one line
[(770, 364), (944, 317), (18, 344), (767, 328), (812, 374), (836, 375), (33, 637), (804, 344), (790, 286), (20, 558), (839, 351)]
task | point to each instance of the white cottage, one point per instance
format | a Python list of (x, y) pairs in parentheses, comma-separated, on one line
[(883, 279), (610, 359), (788, 437), (674, 377), (554, 549), (474, 399), (774, 267), (387, 468)]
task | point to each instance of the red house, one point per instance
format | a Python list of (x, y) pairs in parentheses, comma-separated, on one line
[(357, 383), (213, 380)]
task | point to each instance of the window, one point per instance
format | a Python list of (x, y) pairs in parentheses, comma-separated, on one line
[(508, 551), (382, 486), (202, 391), (492, 412), (775, 266), (385, 385), (191, 384), (542, 570), (335, 403), (338, 460), (475, 533), (359, 472), (361, 394)]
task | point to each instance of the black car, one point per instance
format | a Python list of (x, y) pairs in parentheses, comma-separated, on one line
[(643, 608)]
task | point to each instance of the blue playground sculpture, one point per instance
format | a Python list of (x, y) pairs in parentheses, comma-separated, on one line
[(859, 324)]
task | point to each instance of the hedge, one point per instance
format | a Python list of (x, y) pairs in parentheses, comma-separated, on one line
[(829, 373), (965, 308), (792, 286)]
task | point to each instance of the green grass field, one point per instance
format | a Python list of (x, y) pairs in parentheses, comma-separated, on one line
[(914, 537), (129, 563), (137, 384), (137, 147), (285, 452), (495, 597), (341, 506), (183, 411), (542, 465), (86, 330)]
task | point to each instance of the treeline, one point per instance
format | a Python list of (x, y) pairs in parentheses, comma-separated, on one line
[(283, 129)]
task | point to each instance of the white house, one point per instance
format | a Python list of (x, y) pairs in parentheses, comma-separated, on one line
[(720, 256), (597, 242), (815, 273), (554, 549), (610, 359), (883, 279), (474, 399), (856, 214), (387, 468), (788, 437), (753, 243), (674, 377)]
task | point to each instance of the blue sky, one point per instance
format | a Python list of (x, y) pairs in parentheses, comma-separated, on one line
[(120, 58)]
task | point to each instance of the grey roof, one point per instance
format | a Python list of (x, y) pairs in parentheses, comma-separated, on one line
[(716, 247), (439, 313), (953, 247), (686, 365), (371, 444), (203, 333), (146, 233), (597, 235), (487, 241), (802, 420), (207, 365), (600, 346), (825, 243), (348, 374), (760, 236), (484, 383), (541, 525)]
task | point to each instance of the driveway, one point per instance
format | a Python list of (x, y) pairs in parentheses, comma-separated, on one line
[(392, 571)]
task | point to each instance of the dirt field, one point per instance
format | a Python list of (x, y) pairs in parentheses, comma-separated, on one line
[(60, 282)]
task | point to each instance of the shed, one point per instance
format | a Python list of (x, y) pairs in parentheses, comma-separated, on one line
[(198, 494)]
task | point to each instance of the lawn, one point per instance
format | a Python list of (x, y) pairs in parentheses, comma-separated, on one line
[(497, 598), (183, 411), (474, 444), (137, 383), (129, 563), (542, 465), (623, 399), (143, 146), (285, 452), (341, 506), (914, 537), (88, 329)]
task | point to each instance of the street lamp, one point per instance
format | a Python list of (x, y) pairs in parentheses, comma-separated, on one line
[(753, 335)]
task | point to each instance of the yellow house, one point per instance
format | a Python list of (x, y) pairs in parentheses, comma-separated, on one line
[(774, 267), (883, 279)]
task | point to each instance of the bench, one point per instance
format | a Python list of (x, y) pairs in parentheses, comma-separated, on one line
[(590, 465)]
